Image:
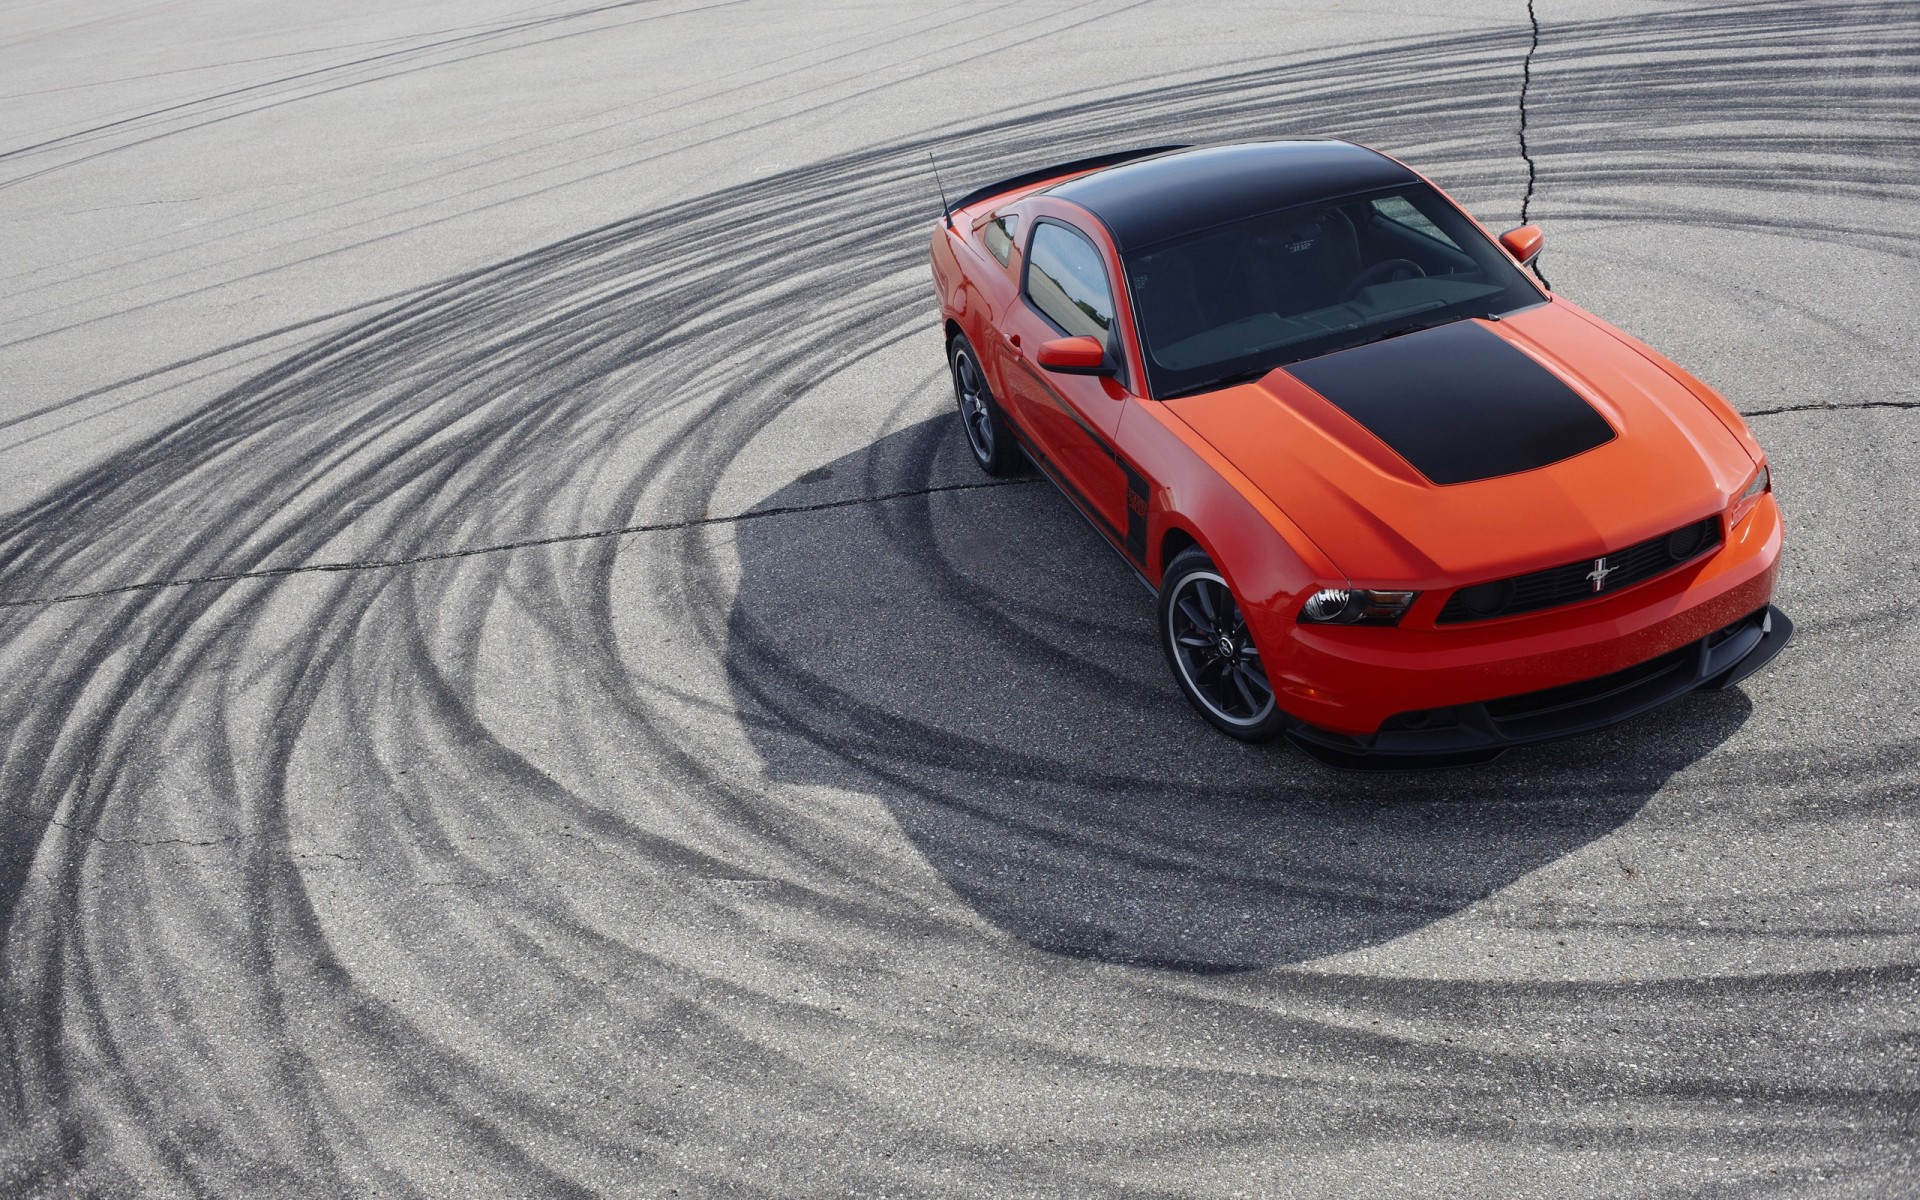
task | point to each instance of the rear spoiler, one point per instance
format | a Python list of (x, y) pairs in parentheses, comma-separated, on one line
[(1077, 166)]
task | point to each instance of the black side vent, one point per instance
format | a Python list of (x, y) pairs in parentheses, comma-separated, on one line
[(1576, 581)]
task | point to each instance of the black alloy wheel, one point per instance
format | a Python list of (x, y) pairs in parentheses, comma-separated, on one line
[(988, 435), (1211, 652)]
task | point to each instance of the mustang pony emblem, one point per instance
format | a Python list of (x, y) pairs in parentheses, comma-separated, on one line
[(1599, 573)]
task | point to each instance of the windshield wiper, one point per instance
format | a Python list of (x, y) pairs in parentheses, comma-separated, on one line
[(1400, 331), (1225, 381)]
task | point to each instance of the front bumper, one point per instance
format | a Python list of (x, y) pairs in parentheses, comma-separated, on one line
[(1352, 679), (1471, 733)]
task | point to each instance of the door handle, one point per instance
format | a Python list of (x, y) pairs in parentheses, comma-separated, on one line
[(1013, 339)]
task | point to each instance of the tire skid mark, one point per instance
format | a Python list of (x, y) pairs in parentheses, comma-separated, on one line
[(686, 923)]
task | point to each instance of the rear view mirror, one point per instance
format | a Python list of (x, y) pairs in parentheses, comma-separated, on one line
[(1523, 243), (1075, 356)]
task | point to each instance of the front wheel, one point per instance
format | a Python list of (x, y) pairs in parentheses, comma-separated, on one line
[(988, 434), (1211, 652)]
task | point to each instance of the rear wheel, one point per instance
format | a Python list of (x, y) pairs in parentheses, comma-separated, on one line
[(1211, 652), (988, 434)]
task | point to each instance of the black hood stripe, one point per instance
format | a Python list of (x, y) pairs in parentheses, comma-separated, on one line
[(1458, 403)]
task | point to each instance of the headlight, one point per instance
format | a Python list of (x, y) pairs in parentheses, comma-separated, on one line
[(1758, 486), (1356, 606)]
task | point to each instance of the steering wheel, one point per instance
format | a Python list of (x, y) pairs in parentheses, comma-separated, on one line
[(1391, 270)]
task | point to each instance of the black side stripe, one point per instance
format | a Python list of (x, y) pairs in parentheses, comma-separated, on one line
[(1087, 512), (1133, 542), (1136, 510), (1052, 471)]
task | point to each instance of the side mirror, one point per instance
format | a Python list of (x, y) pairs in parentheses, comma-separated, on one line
[(1075, 356), (1523, 243)]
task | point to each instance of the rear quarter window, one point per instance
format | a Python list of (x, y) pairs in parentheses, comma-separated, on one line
[(998, 234)]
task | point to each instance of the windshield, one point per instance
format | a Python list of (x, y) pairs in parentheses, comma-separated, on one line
[(1233, 302)]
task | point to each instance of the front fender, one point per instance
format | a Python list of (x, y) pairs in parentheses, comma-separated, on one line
[(1270, 564)]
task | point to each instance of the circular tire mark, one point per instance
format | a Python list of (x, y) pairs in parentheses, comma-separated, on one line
[(258, 835)]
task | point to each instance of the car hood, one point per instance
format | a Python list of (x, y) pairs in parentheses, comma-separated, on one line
[(1478, 449)]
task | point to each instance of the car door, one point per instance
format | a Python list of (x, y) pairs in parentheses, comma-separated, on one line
[(1066, 291)]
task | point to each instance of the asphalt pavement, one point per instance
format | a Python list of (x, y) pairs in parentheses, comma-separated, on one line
[(510, 683)]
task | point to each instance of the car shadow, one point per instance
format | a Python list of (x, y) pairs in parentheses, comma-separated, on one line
[(973, 654)]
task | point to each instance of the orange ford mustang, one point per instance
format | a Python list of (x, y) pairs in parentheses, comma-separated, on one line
[(1399, 502)]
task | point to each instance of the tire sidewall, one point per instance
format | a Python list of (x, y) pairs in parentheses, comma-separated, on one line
[(1005, 459), (1189, 562)]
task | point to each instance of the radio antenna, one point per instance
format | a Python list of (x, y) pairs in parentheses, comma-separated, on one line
[(946, 214)]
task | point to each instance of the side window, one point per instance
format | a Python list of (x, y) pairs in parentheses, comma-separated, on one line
[(998, 235), (1067, 282), (1400, 212)]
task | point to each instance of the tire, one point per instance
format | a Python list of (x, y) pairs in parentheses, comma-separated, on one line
[(982, 421), (1210, 652)]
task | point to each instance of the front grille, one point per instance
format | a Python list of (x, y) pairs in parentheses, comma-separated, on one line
[(1573, 582)]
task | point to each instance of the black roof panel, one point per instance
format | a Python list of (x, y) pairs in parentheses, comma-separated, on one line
[(1153, 199)]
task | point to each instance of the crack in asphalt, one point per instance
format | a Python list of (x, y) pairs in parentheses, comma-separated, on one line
[(1526, 152), (383, 564), (380, 564), (231, 839), (145, 843), (1795, 408)]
